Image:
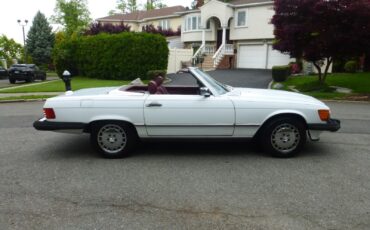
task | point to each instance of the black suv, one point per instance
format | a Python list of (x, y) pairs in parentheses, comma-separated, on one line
[(25, 72), (3, 73)]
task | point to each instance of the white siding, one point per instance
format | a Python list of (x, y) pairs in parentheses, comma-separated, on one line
[(176, 56)]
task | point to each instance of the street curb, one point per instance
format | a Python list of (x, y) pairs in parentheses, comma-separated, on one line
[(346, 101)]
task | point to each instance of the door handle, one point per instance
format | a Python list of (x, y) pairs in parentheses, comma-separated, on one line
[(154, 104)]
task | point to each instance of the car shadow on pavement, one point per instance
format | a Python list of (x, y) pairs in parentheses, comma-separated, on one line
[(79, 147), (197, 148)]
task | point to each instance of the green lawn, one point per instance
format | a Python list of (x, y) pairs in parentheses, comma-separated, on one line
[(58, 86), (358, 82)]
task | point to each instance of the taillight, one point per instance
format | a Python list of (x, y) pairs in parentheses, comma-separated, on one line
[(49, 113), (324, 114)]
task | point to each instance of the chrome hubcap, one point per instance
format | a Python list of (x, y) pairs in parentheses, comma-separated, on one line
[(112, 138), (285, 138)]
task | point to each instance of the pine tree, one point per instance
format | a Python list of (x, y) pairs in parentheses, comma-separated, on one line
[(40, 40)]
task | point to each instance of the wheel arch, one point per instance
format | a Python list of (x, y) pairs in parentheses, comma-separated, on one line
[(89, 126), (281, 115)]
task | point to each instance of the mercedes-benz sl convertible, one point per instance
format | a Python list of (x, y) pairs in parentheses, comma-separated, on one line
[(116, 118)]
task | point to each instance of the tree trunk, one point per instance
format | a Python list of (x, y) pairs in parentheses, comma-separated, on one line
[(329, 60), (318, 70)]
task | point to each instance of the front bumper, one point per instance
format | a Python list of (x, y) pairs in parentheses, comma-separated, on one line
[(44, 125), (332, 125)]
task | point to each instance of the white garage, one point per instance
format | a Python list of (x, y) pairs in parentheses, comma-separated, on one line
[(260, 56)]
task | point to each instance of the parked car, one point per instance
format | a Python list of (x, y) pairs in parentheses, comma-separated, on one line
[(25, 72), (3, 73), (117, 117)]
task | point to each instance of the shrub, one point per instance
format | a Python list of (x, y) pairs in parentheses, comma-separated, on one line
[(124, 56), (350, 66), (158, 30), (97, 28), (280, 73), (151, 74)]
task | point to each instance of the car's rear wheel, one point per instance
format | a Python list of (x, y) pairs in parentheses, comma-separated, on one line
[(284, 137), (11, 81), (113, 139)]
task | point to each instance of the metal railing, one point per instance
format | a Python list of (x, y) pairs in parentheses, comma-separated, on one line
[(209, 49), (218, 55), (197, 54)]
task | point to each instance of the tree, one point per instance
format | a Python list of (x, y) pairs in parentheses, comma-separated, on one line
[(197, 3), (9, 49), (322, 30), (125, 6), (154, 4), (72, 14), (40, 40)]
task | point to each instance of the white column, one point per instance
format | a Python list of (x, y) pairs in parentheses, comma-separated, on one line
[(224, 35), (203, 38)]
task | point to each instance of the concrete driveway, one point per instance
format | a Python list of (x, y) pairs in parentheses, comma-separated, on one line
[(251, 78), (56, 181)]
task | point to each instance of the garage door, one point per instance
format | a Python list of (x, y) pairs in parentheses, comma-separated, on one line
[(252, 56), (276, 58)]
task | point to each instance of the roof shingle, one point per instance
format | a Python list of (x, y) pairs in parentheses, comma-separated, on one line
[(141, 15)]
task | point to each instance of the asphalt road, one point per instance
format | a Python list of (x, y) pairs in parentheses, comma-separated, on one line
[(56, 181)]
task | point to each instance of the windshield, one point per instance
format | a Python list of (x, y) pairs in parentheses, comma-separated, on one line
[(219, 87)]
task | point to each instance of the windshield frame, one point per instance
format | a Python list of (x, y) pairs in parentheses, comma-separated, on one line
[(214, 86)]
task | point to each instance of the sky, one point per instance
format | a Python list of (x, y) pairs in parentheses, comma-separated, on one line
[(11, 11)]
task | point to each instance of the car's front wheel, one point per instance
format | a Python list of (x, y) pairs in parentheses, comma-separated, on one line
[(113, 139), (284, 137), (11, 81)]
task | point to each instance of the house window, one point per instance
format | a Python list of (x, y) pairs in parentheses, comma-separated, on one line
[(208, 24), (164, 24), (241, 18), (192, 23)]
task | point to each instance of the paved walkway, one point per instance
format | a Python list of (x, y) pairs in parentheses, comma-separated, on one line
[(4, 95)]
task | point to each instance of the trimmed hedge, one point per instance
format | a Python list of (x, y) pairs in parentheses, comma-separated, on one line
[(350, 66), (280, 73), (124, 56)]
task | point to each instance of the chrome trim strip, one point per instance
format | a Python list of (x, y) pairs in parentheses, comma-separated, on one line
[(207, 125)]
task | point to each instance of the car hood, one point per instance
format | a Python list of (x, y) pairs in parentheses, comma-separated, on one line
[(270, 95)]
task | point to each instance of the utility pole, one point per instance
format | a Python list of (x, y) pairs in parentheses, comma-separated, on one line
[(23, 24)]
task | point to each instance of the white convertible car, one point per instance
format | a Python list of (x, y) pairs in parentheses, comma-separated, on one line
[(117, 117)]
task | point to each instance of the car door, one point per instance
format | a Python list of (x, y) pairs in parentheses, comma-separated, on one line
[(188, 115)]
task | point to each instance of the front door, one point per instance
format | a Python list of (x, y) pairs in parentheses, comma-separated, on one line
[(188, 115), (219, 37)]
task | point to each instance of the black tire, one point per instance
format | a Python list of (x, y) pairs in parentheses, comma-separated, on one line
[(43, 78), (12, 81), (113, 139), (283, 137)]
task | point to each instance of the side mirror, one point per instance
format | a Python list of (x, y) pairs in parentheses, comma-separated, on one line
[(204, 91)]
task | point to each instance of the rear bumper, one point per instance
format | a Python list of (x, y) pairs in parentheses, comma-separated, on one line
[(44, 125), (332, 125)]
